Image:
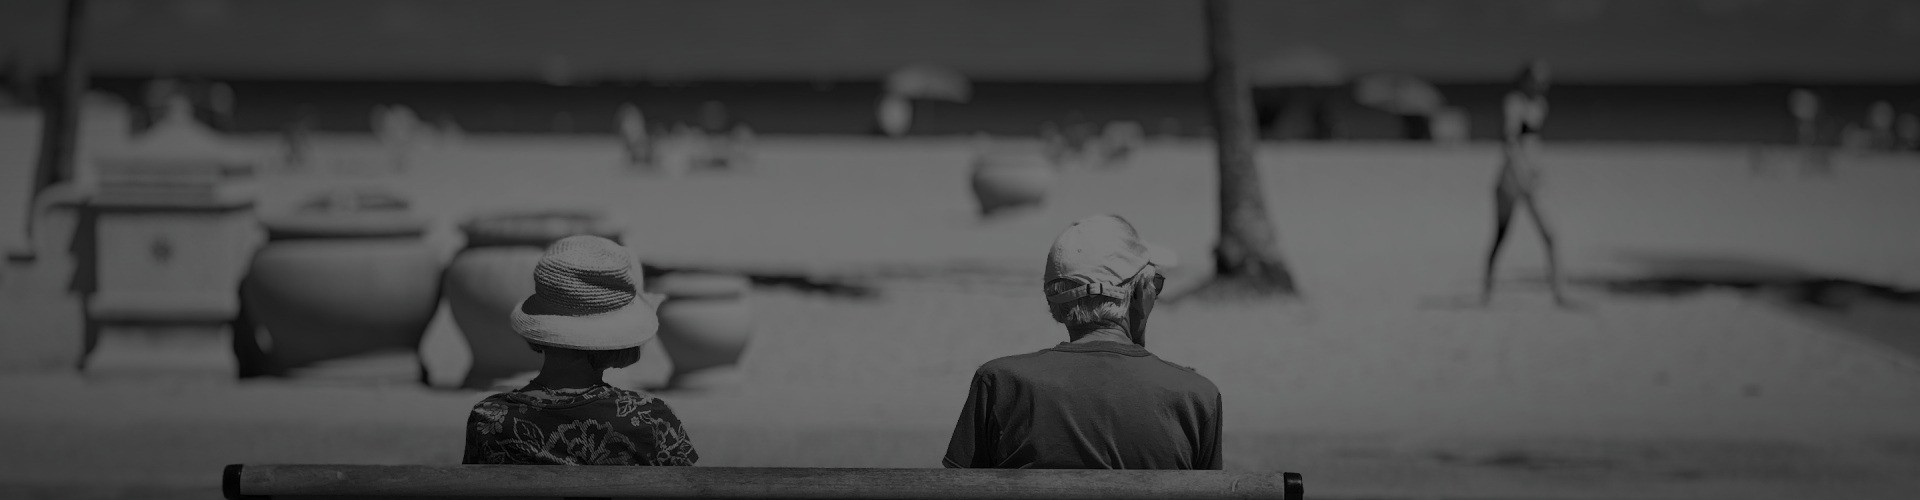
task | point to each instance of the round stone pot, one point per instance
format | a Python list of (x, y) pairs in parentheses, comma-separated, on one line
[(706, 322), (340, 277), (493, 273), (1006, 181)]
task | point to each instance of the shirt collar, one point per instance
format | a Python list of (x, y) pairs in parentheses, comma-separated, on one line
[(1103, 346), (541, 397)]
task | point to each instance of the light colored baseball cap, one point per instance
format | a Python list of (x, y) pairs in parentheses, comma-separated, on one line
[(1101, 253)]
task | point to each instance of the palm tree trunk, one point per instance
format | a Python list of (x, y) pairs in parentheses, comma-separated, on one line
[(60, 116), (1247, 257)]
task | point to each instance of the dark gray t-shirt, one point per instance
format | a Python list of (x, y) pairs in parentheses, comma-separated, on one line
[(1094, 405)]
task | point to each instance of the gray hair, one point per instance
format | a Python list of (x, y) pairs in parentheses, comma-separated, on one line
[(1089, 310)]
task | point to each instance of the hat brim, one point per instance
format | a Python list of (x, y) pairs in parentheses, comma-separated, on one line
[(628, 326)]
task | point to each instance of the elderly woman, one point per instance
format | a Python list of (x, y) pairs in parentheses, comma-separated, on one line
[(585, 316)]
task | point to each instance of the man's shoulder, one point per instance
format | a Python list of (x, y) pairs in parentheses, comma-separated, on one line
[(1013, 363), (1188, 377)]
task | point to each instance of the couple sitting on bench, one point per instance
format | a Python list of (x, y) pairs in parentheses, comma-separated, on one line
[(1098, 401)]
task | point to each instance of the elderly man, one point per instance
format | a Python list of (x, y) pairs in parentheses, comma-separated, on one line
[(1099, 400)]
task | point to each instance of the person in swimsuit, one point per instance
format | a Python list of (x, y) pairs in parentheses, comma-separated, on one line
[(1526, 110)]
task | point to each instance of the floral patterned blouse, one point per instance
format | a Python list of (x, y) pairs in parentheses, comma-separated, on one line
[(600, 425)]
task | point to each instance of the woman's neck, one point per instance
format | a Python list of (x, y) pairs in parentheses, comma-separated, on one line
[(567, 372)]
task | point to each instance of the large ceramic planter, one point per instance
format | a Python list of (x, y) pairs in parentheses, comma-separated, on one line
[(337, 281), (1007, 181), (493, 274), (706, 323)]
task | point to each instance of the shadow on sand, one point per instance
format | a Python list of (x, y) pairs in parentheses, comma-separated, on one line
[(1880, 313)]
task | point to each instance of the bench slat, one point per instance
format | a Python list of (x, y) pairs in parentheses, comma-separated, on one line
[(248, 481)]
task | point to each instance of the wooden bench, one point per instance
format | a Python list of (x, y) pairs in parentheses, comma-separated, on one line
[(544, 481)]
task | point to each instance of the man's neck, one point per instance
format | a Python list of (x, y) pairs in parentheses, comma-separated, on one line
[(1102, 333)]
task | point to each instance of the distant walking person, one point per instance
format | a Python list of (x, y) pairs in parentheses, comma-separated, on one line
[(1099, 400), (634, 137), (1815, 157), (585, 316), (1519, 177)]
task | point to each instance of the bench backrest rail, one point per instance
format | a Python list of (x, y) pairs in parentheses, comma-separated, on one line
[(267, 481)]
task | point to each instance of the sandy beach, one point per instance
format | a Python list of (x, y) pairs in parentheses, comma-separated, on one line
[(1379, 382)]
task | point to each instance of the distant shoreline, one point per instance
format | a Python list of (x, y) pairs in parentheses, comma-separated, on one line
[(1716, 113)]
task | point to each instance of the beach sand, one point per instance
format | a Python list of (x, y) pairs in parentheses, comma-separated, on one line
[(1379, 381)]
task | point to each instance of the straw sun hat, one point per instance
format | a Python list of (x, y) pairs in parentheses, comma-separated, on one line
[(586, 297)]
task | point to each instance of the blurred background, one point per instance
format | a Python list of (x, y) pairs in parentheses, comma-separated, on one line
[(288, 230), (1642, 70)]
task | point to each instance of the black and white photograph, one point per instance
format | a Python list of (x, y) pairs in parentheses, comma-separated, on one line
[(911, 249)]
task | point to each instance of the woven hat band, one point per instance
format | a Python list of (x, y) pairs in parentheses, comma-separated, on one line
[(580, 291)]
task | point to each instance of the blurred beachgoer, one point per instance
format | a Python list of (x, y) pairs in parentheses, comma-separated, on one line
[(1907, 128), (449, 131), (720, 141), (299, 135), (1167, 128), (1053, 142), (220, 107), (1074, 144), (1805, 106), (1273, 104), (16, 84), (1295, 80), (586, 316), (1118, 141), (1880, 117), (1099, 400), (399, 129), (1519, 176), (634, 137), (1856, 139), (158, 93), (894, 116), (1412, 100), (714, 118)]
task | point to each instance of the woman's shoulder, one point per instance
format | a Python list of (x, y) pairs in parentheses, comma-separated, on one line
[(632, 400), (495, 399)]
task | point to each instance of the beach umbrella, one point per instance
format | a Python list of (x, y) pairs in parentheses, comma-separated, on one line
[(925, 81), (1300, 65), (1398, 94), (179, 136)]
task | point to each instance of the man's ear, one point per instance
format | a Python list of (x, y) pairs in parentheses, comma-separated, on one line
[(1140, 305)]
